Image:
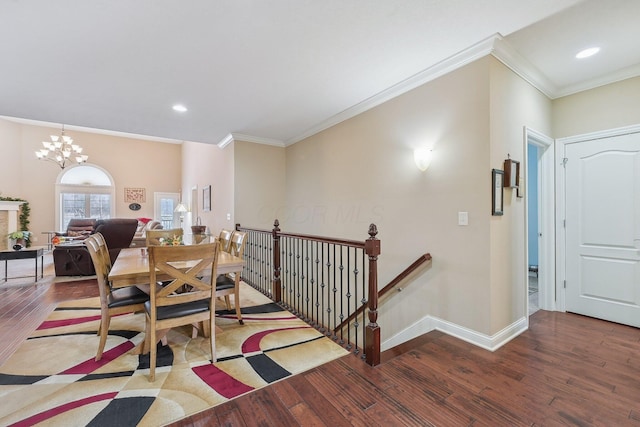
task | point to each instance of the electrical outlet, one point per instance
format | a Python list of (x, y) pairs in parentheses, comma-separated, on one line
[(463, 218), (228, 217)]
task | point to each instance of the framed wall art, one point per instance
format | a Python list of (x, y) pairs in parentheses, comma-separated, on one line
[(134, 195), (497, 192), (206, 198)]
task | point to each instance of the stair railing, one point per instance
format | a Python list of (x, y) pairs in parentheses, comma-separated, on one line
[(322, 280)]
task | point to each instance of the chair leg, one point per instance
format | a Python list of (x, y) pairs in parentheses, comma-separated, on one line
[(103, 332), (236, 299), (227, 301), (211, 325), (197, 327), (152, 353)]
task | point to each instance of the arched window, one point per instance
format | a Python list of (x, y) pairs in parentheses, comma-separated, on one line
[(84, 191)]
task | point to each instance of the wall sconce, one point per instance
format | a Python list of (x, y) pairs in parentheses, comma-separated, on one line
[(422, 157)]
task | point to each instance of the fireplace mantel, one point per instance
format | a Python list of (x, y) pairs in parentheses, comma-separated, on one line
[(8, 221)]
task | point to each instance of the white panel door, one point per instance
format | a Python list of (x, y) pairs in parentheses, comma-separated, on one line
[(603, 228)]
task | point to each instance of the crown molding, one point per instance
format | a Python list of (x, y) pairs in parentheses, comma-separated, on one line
[(477, 51), (506, 54), (232, 137), (624, 74), (91, 130), (225, 141)]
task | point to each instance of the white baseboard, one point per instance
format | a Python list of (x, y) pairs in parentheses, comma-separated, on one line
[(430, 323)]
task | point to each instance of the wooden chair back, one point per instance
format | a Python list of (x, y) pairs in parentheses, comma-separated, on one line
[(171, 261), (100, 241), (237, 243), (153, 236), (225, 239), (102, 263)]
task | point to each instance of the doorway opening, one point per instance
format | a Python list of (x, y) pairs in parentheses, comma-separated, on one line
[(533, 229), (540, 222)]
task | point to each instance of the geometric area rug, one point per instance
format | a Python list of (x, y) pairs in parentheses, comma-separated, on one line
[(52, 379)]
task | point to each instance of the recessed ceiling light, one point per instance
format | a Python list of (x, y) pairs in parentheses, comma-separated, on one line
[(180, 108), (587, 52)]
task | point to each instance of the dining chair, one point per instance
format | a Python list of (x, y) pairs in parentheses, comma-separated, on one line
[(190, 269), (104, 250), (225, 239), (229, 284), (112, 301), (153, 236)]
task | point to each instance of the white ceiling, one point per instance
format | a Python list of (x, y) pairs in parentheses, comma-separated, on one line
[(279, 70)]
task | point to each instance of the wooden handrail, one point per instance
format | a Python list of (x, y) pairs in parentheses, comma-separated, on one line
[(423, 259), (332, 240), (407, 271)]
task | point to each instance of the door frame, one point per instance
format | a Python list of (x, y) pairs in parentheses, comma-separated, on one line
[(546, 203), (157, 196), (561, 238)]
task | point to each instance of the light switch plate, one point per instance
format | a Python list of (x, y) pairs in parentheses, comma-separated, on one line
[(463, 218), (228, 217)]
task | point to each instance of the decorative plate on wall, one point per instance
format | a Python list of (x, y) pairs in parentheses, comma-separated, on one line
[(135, 206)]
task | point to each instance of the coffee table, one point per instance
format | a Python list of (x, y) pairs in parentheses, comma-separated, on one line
[(26, 253)]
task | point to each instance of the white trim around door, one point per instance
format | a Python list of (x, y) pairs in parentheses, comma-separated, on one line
[(546, 201)]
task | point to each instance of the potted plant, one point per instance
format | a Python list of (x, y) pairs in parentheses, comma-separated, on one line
[(21, 239)]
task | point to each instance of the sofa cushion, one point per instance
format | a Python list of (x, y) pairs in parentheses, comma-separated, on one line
[(79, 227), (79, 233)]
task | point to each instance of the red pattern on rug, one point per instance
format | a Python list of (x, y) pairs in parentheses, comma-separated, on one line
[(90, 365), (43, 416), (221, 382)]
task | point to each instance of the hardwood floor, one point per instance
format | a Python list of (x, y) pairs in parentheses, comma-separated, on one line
[(565, 370)]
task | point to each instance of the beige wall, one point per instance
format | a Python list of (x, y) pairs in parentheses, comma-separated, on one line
[(204, 165), (362, 171), (131, 162), (259, 184), (514, 104), (606, 107)]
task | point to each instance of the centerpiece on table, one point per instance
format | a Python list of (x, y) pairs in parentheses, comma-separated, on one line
[(171, 241), (20, 238)]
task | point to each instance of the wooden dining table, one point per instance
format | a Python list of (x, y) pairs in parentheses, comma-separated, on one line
[(131, 268)]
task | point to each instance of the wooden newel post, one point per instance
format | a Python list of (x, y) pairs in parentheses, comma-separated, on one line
[(372, 332), (276, 288)]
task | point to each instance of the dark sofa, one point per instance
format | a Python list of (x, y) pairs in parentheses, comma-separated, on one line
[(74, 259)]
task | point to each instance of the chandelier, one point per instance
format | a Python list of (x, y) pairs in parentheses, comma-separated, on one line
[(61, 150)]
